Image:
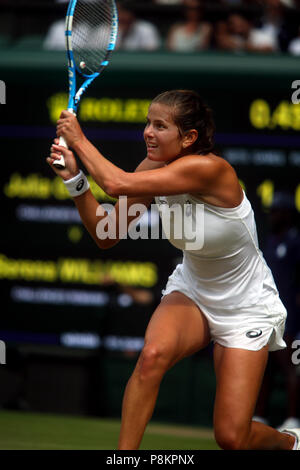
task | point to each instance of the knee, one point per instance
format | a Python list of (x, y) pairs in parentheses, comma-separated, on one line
[(153, 362), (229, 438)]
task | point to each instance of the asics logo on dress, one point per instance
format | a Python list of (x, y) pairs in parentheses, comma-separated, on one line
[(253, 333)]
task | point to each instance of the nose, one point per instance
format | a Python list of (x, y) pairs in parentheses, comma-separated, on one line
[(148, 131)]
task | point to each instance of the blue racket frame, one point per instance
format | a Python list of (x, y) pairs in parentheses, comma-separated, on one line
[(74, 97)]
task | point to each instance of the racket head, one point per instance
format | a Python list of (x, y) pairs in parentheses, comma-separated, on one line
[(91, 34)]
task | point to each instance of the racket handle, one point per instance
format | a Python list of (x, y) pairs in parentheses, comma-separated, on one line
[(60, 164)]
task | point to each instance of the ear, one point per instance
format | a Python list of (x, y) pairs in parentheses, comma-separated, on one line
[(190, 138)]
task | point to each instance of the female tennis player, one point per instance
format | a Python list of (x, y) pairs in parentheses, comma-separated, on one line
[(223, 292)]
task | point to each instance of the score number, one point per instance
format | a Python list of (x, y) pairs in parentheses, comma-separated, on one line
[(286, 115), (265, 192)]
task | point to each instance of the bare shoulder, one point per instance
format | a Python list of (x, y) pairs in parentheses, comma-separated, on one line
[(211, 164), (214, 160), (218, 163), (222, 188)]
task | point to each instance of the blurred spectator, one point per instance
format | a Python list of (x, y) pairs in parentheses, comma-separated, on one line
[(294, 46), (282, 253), (233, 34), (231, 2), (55, 37), (272, 27), (135, 34), (168, 2), (238, 3), (290, 31), (291, 3), (193, 34), (238, 34)]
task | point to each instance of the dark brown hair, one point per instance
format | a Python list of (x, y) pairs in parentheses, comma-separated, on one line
[(190, 112)]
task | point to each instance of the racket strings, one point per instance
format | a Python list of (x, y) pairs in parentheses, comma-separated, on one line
[(91, 34)]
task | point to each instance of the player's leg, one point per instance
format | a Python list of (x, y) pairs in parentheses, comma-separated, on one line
[(239, 374), (262, 404), (176, 330)]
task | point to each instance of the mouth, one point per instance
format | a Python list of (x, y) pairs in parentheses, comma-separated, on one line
[(151, 146)]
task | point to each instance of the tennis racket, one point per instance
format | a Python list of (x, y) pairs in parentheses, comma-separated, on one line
[(91, 33)]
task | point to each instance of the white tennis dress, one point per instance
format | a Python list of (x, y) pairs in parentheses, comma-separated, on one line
[(224, 273)]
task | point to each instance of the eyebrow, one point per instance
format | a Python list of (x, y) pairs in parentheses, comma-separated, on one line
[(157, 120)]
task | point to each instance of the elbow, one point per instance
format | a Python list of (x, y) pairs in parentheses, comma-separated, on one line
[(112, 189), (104, 245), (115, 187)]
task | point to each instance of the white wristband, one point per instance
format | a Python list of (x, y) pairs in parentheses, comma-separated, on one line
[(77, 185)]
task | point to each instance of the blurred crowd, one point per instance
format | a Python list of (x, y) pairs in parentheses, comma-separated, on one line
[(261, 26)]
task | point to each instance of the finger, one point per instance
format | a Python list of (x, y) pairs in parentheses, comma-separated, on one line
[(60, 149), (60, 130), (61, 122), (65, 114), (52, 149), (50, 161), (61, 126), (54, 156)]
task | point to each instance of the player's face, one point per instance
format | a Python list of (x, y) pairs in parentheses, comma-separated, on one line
[(162, 137)]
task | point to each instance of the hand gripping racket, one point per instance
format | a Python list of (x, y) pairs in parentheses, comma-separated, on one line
[(91, 34)]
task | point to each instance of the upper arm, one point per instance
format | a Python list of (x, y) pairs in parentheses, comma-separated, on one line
[(192, 174)]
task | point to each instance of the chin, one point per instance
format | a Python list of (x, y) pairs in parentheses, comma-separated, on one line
[(153, 157)]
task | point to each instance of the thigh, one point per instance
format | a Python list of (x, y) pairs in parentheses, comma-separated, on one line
[(177, 326), (239, 375)]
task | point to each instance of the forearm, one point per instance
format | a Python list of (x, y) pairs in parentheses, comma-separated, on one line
[(87, 207), (113, 180), (102, 170)]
